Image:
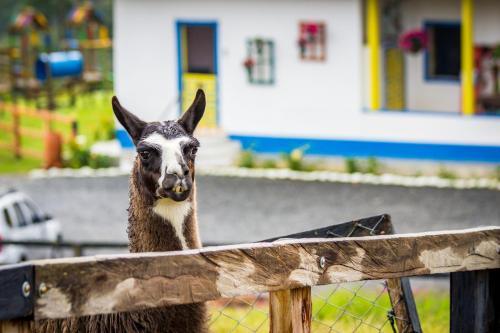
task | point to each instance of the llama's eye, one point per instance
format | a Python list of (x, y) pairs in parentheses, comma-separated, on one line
[(144, 154), (190, 150)]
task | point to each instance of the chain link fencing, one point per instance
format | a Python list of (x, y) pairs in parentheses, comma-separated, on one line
[(240, 314), (345, 307), (338, 308)]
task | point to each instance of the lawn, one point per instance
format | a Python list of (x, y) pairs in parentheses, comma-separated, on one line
[(94, 117), (347, 309), (9, 164)]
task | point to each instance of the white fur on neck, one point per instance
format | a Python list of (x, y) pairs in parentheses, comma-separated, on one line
[(174, 212)]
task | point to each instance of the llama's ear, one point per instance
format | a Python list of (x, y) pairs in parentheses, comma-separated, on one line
[(131, 122), (192, 116)]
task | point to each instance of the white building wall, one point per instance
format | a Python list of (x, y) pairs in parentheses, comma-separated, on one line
[(309, 100), (306, 97)]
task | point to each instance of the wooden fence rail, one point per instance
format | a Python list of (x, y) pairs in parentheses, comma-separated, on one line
[(101, 284), (18, 131)]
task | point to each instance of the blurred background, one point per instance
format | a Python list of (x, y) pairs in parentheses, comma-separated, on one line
[(318, 112)]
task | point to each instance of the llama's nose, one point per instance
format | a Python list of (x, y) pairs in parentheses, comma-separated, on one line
[(180, 171), (176, 180)]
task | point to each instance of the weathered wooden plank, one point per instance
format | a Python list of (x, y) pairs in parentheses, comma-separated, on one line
[(17, 326), (475, 301), (16, 291), (105, 284), (400, 294), (290, 311)]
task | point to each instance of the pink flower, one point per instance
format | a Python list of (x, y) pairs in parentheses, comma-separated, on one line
[(413, 41), (312, 28), (249, 63)]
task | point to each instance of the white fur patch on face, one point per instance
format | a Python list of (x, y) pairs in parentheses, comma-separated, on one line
[(174, 212), (171, 154)]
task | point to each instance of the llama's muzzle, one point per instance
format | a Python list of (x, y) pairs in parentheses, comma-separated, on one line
[(174, 187), (178, 189)]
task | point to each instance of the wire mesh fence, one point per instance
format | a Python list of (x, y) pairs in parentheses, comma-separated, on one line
[(345, 307), (353, 307), (240, 314)]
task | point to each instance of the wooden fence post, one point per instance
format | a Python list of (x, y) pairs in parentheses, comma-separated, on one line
[(290, 310), (403, 305), (16, 131), (475, 301)]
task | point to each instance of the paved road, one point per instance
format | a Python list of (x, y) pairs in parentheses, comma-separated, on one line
[(237, 210)]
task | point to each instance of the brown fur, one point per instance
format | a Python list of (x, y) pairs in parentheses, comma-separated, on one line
[(147, 233)]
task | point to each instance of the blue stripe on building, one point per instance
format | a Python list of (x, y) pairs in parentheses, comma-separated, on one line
[(383, 149), (358, 148)]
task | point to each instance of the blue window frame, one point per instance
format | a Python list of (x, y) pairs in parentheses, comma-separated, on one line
[(442, 56)]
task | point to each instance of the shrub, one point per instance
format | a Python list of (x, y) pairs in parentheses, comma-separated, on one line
[(79, 156), (102, 161), (445, 173), (269, 164), (295, 159), (105, 131), (372, 166), (247, 159), (352, 165)]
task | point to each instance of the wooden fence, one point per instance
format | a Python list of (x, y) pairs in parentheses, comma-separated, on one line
[(287, 268), (19, 133)]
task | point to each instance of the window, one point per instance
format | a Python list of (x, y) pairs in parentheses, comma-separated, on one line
[(443, 53), (200, 49), (21, 218), (312, 41), (7, 217), (29, 211), (260, 61), (36, 213)]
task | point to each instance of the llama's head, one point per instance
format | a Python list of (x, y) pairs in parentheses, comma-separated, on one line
[(166, 150)]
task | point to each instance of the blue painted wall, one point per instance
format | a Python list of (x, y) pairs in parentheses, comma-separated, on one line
[(358, 148)]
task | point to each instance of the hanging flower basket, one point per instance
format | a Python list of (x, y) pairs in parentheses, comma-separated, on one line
[(312, 31), (302, 46), (413, 41), (249, 64)]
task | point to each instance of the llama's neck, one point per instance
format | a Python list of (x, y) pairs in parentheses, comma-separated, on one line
[(164, 225)]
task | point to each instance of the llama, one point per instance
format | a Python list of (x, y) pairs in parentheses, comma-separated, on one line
[(162, 217)]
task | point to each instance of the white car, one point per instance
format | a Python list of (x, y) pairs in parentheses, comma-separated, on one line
[(22, 220)]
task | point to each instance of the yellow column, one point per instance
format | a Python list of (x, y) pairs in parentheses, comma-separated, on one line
[(373, 35), (467, 56)]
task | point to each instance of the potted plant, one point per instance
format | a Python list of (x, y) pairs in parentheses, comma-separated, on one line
[(413, 41), (312, 31), (302, 46), (249, 64)]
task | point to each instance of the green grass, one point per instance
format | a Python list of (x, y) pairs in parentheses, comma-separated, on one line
[(9, 164), (94, 117), (339, 310)]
